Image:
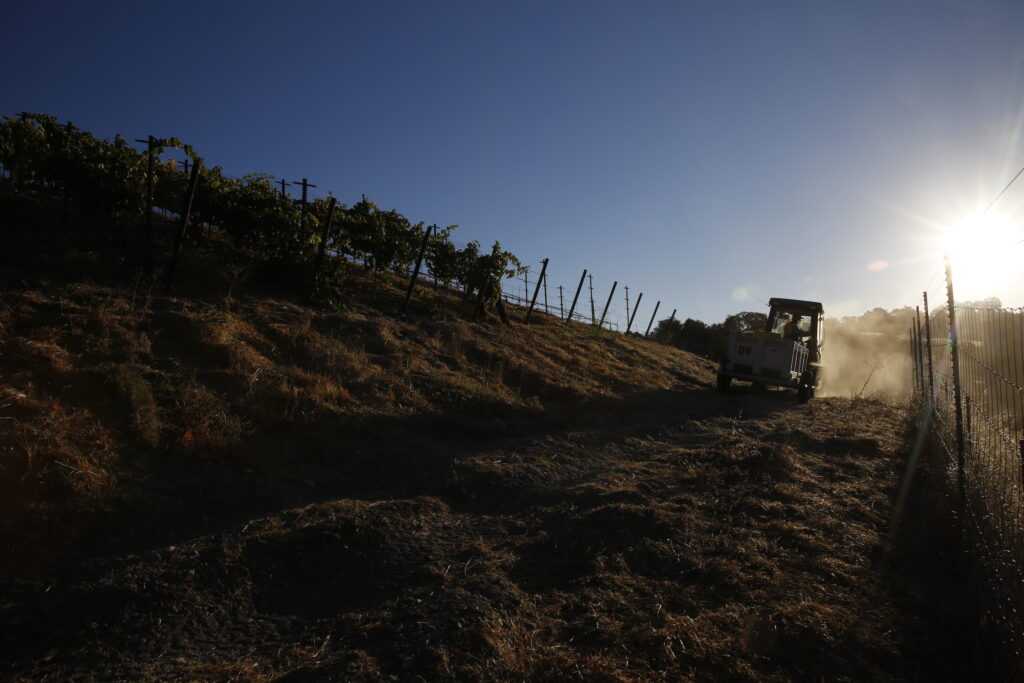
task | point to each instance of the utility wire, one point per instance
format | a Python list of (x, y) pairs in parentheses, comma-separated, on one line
[(1002, 192)]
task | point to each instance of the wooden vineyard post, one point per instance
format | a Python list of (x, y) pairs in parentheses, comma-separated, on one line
[(607, 304), (324, 234), (416, 270), (147, 257), (186, 217), (536, 290), (636, 307), (65, 208), (572, 308), (648, 332), (305, 197)]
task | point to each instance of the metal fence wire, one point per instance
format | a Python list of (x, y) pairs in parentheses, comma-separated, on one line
[(968, 375)]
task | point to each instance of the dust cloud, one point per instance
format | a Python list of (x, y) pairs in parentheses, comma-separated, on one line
[(866, 363)]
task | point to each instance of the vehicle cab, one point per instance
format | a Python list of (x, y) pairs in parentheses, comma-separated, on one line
[(786, 353)]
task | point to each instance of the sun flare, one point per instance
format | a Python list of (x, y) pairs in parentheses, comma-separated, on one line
[(985, 254)]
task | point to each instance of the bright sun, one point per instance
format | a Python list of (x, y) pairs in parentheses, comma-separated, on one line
[(985, 253)]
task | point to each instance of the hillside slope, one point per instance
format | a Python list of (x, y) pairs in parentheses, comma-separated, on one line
[(253, 489), (118, 400)]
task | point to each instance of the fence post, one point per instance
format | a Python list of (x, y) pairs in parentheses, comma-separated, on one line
[(913, 364), (636, 307), (1020, 448), (572, 308), (673, 316), (648, 332), (147, 258), (970, 425), (928, 342), (305, 198), (544, 279), (919, 352), (65, 203), (954, 351), (416, 270), (561, 303), (322, 251), (607, 304), (593, 314), (179, 239), (533, 301)]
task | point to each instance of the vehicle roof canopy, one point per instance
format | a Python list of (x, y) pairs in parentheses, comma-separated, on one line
[(796, 305)]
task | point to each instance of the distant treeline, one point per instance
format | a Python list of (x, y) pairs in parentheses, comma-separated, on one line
[(706, 339), (100, 191)]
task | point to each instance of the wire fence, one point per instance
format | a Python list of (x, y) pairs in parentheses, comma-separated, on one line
[(968, 376), (617, 309)]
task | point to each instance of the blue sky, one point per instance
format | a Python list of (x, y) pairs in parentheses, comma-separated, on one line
[(708, 154)]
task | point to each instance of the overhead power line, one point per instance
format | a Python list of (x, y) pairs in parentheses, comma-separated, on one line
[(1002, 191)]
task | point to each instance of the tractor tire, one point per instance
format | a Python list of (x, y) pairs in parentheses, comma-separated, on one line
[(808, 383), (724, 381)]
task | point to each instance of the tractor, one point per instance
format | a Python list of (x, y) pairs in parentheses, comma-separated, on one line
[(787, 353)]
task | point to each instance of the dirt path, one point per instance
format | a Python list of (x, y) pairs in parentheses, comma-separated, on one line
[(698, 538)]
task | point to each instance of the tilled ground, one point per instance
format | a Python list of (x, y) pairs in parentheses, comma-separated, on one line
[(721, 538)]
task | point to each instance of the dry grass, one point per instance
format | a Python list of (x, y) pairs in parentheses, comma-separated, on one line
[(345, 495), (135, 391)]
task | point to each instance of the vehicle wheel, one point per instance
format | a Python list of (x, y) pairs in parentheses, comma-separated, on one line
[(808, 384), (723, 382)]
